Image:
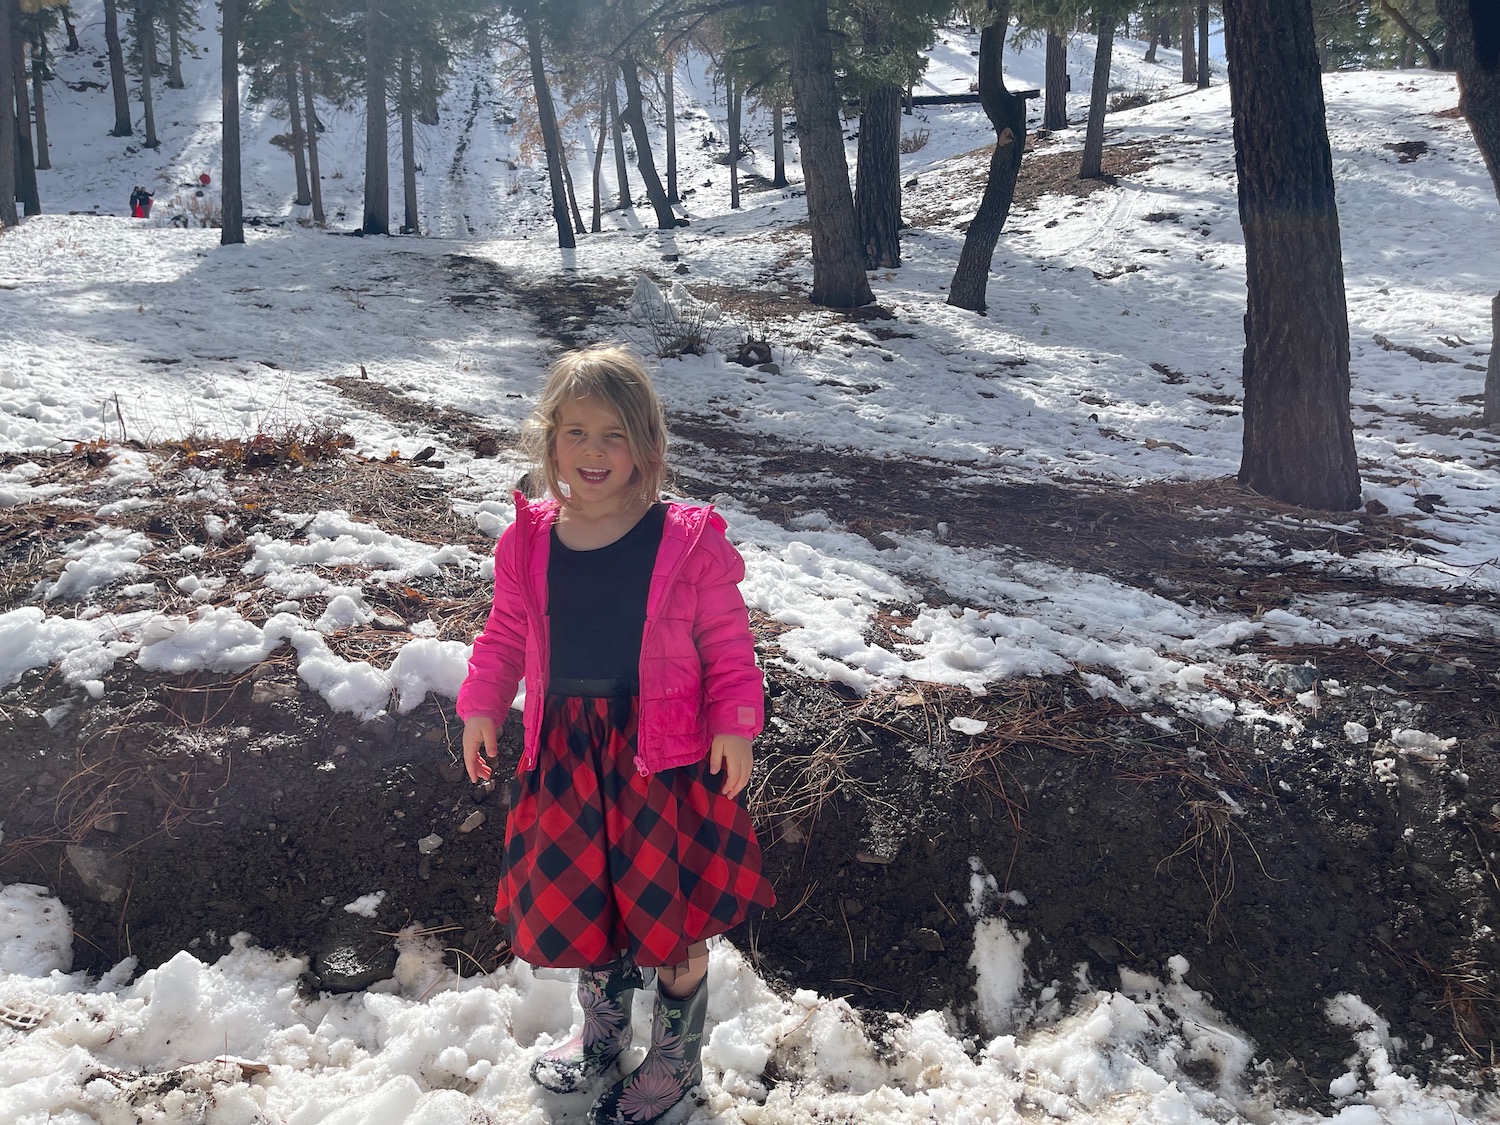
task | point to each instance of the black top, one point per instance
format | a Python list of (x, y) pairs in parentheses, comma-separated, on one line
[(597, 602)]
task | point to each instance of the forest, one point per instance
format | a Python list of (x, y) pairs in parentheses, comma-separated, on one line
[(1101, 397), (814, 60)]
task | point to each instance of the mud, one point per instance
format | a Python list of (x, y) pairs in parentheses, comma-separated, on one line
[(1285, 869)]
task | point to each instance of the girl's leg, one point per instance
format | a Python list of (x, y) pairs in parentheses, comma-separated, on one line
[(673, 1065), (682, 980), (605, 995)]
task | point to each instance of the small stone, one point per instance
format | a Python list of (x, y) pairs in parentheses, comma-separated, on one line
[(853, 907), (272, 691), (388, 623), (429, 844), (450, 771), (382, 729), (353, 959), (472, 821), (927, 940), (26, 718), (872, 857), (105, 876), (770, 368)]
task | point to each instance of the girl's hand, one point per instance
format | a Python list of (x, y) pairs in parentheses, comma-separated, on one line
[(732, 755), (481, 747)]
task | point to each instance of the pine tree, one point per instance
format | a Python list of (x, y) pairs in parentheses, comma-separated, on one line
[(839, 279), (1473, 38), (1298, 439), (116, 70), (232, 230), (1055, 103), (8, 215), (1092, 165), (18, 95), (145, 41), (377, 212), (1007, 114), (885, 40)]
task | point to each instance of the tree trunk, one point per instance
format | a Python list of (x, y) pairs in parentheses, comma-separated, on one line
[(1092, 167), (1189, 58), (310, 116), (669, 107), (1474, 39), (877, 179), (38, 72), (116, 70), (634, 116), (623, 199), (174, 48), (9, 27), (597, 224), (778, 148), (1055, 112), (411, 223), (233, 225), (1434, 58), (1298, 439), (67, 18), (377, 216), (547, 115), (26, 186), (1492, 369), (427, 89), (1203, 68), (145, 37), (1007, 114), (839, 279), (734, 142), (1156, 27), (567, 171), (299, 142)]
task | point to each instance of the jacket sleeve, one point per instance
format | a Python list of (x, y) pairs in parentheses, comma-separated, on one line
[(498, 660), (733, 686)]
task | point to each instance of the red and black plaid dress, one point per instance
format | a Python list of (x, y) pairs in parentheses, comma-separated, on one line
[(600, 860)]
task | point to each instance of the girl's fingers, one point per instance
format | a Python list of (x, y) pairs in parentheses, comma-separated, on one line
[(480, 747)]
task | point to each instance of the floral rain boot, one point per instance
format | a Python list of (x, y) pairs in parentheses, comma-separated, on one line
[(670, 1069), (605, 995)]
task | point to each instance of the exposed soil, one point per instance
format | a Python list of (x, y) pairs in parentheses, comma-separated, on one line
[(1286, 867)]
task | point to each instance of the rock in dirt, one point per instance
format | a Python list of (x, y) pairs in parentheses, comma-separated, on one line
[(353, 958), (105, 876)]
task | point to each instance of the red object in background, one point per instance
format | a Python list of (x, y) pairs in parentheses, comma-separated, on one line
[(204, 180)]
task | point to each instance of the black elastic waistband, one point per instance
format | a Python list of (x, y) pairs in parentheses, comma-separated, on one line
[(591, 689)]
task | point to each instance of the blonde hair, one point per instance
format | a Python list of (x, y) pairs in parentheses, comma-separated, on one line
[(612, 375)]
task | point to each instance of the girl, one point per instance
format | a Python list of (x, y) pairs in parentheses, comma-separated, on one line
[(627, 845)]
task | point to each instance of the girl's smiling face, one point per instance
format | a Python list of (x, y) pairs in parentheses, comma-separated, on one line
[(592, 455)]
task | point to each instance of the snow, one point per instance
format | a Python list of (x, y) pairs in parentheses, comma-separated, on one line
[(117, 329)]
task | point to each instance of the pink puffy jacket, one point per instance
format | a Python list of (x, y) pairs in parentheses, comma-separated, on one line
[(698, 676)]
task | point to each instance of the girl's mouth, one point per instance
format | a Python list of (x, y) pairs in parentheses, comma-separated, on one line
[(593, 476)]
